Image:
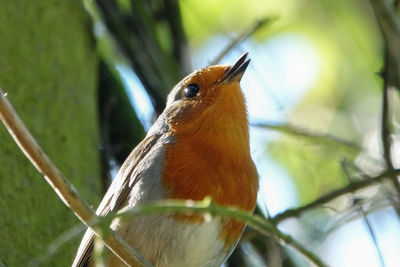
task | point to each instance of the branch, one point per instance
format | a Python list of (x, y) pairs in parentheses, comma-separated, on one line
[(389, 24), (55, 245), (390, 28), (209, 208), (356, 216), (372, 234), (297, 131), (257, 25), (357, 202), (60, 184), (385, 129), (351, 188)]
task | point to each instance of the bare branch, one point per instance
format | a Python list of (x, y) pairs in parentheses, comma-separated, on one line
[(352, 216), (53, 247), (385, 130), (351, 188), (357, 202), (390, 28), (60, 184), (389, 24), (246, 34), (295, 130), (372, 234)]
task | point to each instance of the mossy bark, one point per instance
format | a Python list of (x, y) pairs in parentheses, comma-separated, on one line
[(48, 67)]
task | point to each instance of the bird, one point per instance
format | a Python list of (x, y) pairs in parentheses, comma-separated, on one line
[(198, 147)]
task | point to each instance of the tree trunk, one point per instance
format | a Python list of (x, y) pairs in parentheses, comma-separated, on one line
[(48, 67)]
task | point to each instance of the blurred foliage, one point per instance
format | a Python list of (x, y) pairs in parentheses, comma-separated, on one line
[(121, 130), (203, 19), (315, 169)]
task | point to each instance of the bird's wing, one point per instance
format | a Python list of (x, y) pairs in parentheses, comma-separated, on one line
[(117, 194), (126, 178)]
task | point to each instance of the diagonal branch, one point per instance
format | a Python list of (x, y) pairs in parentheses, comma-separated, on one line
[(257, 25), (295, 130), (60, 184), (351, 188)]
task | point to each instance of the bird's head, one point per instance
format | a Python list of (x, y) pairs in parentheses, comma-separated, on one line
[(209, 100)]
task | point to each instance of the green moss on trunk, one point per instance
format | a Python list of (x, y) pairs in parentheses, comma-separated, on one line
[(48, 66)]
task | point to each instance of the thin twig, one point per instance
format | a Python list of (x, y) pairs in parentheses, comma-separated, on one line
[(387, 192), (389, 24), (273, 248), (390, 28), (208, 207), (385, 129), (355, 216), (55, 245), (351, 188), (357, 201), (60, 184), (372, 234), (246, 34), (295, 130)]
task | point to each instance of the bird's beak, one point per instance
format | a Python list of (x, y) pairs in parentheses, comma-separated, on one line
[(236, 72)]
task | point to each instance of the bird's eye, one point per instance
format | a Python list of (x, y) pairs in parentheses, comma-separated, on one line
[(191, 90)]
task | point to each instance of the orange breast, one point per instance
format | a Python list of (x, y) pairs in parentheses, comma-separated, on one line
[(196, 168)]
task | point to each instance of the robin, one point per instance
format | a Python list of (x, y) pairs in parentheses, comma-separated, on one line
[(198, 147)]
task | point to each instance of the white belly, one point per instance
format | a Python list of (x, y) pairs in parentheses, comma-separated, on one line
[(201, 245), (168, 243)]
